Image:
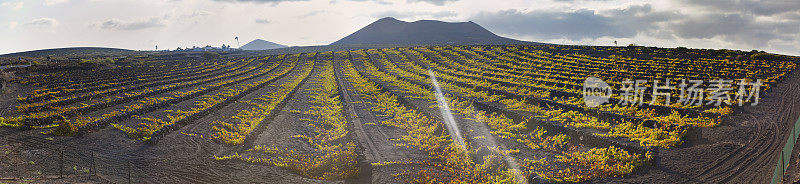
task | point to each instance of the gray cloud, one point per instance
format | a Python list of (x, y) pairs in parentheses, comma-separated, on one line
[(576, 25), (194, 14), (415, 14), (14, 5), (737, 28), (383, 2), (764, 26), (435, 2), (41, 22), (768, 25), (274, 2), (757, 7), (746, 22), (573, 1), (711, 25), (311, 14), (131, 25), (262, 21)]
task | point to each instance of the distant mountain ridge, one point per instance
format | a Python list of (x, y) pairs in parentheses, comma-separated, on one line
[(425, 32), (260, 44), (69, 51)]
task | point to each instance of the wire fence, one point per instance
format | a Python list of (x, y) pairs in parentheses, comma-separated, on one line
[(786, 155), (35, 159), (30, 158)]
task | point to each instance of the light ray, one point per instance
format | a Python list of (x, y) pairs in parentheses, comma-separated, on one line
[(444, 108), (455, 133)]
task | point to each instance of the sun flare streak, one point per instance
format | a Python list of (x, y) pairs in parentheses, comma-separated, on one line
[(444, 108), (455, 133)]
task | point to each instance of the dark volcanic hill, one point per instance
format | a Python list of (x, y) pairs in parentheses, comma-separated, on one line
[(424, 32), (260, 44), (70, 51)]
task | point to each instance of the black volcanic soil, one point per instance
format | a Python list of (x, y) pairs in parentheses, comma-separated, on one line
[(378, 142), (793, 172), (743, 149), (175, 158)]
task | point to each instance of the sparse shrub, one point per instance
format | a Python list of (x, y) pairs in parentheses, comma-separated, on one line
[(98, 61), (765, 56), (210, 55)]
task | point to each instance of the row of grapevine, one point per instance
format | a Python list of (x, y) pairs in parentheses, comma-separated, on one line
[(555, 145), (333, 155)]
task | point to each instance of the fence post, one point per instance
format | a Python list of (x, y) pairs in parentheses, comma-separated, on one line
[(21, 170), (61, 164), (129, 172), (94, 166)]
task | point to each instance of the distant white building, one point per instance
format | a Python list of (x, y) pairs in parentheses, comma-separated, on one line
[(210, 48)]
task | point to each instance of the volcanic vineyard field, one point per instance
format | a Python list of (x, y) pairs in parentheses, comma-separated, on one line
[(474, 114)]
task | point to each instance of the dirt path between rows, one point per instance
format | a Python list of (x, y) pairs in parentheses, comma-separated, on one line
[(744, 149), (379, 141), (176, 158)]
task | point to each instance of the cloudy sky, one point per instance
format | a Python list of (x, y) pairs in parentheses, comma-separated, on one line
[(773, 25)]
